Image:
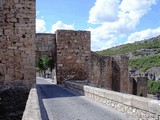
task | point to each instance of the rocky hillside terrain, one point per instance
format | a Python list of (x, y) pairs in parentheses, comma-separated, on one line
[(144, 57)]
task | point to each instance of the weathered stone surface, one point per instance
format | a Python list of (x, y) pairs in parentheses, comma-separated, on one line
[(101, 71), (110, 72), (14, 35), (120, 76), (138, 86), (73, 55), (142, 86), (45, 44), (17, 31)]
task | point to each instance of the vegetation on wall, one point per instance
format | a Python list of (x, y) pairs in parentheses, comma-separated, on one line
[(153, 87)]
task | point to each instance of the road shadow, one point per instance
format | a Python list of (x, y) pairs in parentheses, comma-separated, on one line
[(55, 91), (48, 91)]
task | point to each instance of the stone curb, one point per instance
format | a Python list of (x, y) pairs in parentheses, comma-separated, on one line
[(133, 106), (32, 109)]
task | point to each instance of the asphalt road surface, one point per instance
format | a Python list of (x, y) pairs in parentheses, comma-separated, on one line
[(60, 103)]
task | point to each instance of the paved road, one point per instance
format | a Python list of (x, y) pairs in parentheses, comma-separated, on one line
[(59, 103)]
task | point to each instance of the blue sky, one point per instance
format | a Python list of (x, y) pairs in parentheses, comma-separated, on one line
[(111, 22)]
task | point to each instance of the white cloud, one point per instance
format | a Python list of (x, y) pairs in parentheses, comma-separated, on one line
[(121, 18), (40, 26), (136, 5), (101, 40), (61, 25), (104, 10), (145, 34)]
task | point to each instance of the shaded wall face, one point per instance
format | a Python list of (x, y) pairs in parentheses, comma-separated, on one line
[(138, 86), (142, 86), (73, 54), (17, 47), (120, 73), (110, 72), (116, 76), (45, 45), (101, 71)]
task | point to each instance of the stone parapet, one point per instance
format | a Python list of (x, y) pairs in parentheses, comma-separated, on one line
[(133, 106), (32, 109)]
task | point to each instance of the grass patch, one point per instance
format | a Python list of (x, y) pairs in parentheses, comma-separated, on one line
[(145, 62), (153, 87), (132, 47)]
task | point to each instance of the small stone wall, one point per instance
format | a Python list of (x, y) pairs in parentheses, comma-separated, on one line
[(133, 106), (73, 55), (138, 86)]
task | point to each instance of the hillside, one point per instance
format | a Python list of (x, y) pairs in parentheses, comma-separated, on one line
[(143, 55), (138, 48)]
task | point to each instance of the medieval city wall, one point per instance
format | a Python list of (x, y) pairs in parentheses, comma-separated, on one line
[(17, 55), (73, 55), (120, 76), (110, 72), (101, 71), (17, 34)]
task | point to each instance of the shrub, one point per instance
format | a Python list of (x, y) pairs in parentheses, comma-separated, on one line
[(145, 62), (153, 87)]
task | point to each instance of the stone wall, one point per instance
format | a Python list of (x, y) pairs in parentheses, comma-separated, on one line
[(142, 86), (110, 72), (45, 44), (134, 107), (120, 75), (73, 55), (101, 71), (17, 34), (138, 86), (17, 54)]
